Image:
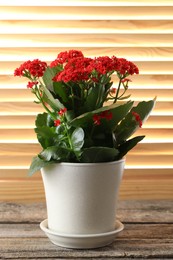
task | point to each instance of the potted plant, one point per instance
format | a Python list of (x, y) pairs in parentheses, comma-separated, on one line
[(86, 130)]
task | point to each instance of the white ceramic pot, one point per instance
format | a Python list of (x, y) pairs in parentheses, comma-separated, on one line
[(82, 197)]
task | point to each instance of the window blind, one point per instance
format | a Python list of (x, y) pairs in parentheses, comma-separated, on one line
[(140, 31)]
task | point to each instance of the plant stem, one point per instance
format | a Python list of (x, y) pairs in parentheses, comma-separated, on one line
[(116, 97), (37, 93)]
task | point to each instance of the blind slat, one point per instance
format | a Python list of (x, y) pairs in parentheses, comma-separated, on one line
[(48, 54), (87, 26), (86, 12), (86, 40), (21, 95)]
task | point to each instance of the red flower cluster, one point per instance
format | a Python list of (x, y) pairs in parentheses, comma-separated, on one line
[(61, 113), (57, 122), (105, 114), (35, 68), (76, 67), (124, 66), (137, 118), (31, 84), (63, 57)]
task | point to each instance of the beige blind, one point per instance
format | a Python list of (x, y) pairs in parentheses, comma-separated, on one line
[(141, 31)]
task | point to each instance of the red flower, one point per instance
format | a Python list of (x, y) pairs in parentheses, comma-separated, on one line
[(103, 115), (35, 68), (96, 119), (106, 114), (113, 90), (62, 111), (31, 84), (57, 122), (126, 80), (65, 56), (77, 69), (137, 118)]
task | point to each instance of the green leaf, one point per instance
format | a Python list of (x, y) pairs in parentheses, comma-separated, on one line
[(44, 119), (128, 125), (99, 154), (48, 86), (60, 90), (36, 165), (45, 135), (118, 113), (55, 153), (126, 97), (49, 153), (48, 76), (54, 103), (77, 139), (95, 98), (128, 145)]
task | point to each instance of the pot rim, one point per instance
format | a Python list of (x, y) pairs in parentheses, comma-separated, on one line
[(87, 164)]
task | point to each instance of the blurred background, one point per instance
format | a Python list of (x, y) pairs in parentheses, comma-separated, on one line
[(140, 31)]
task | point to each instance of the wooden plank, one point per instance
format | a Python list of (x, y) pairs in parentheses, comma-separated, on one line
[(156, 121), (129, 211), (147, 189), (86, 40), (91, 3), (20, 108), (132, 231), (42, 248), (49, 54), (22, 191), (85, 12), (21, 121), (86, 26)]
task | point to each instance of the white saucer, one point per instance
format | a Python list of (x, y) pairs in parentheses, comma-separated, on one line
[(81, 241)]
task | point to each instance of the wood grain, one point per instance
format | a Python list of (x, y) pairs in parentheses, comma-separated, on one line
[(86, 40), (49, 54), (94, 3), (91, 26), (129, 211), (148, 233), (85, 12)]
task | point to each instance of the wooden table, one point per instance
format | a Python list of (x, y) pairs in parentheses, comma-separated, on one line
[(148, 233)]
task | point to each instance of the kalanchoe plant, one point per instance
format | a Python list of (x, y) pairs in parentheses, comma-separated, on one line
[(86, 120)]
